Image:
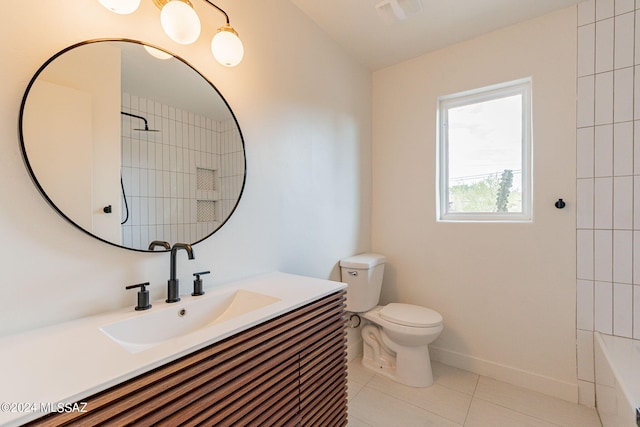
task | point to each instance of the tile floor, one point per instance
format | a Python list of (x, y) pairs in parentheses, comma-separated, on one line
[(457, 398)]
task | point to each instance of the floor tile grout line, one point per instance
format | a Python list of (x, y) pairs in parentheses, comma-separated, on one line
[(554, 422), (441, 385), (392, 396), (522, 413), (539, 394), (473, 396)]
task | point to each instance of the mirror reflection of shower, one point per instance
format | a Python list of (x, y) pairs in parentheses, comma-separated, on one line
[(124, 193), (181, 172)]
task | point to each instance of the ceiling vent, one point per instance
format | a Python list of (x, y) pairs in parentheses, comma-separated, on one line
[(393, 11)]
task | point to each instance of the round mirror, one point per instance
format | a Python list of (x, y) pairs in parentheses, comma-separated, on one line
[(132, 145)]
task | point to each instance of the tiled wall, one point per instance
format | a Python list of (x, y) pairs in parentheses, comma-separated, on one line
[(231, 171), (159, 172), (608, 177)]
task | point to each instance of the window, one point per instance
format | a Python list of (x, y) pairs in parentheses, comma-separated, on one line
[(484, 154)]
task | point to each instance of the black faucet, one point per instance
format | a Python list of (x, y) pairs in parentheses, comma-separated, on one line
[(159, 243), (173, 288)]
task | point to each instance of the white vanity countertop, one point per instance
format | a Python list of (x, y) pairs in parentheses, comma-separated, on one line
[(66, 362)]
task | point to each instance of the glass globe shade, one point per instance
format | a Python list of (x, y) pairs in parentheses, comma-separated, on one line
[(123, 7), (156, 53), (180, 22), (227, 47)]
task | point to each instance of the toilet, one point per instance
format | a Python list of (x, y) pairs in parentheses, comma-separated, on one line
[(395, 336)]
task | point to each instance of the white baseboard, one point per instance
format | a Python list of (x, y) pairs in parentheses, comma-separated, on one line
[(529, 380)]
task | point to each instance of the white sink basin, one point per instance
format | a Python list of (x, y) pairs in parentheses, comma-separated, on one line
[(156, 326)]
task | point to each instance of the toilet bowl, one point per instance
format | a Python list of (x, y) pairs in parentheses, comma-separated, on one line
[(395, 336), (396, 340)]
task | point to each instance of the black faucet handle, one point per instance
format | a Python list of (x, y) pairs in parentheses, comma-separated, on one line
[(197, 283), (202, 273), (139, 285), (143, 296)]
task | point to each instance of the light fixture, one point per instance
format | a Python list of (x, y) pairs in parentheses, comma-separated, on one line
[(181, 23), (393, 11), (227, 47), (123, 7)]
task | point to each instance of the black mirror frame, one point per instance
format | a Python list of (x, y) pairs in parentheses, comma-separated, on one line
[(41, 189)]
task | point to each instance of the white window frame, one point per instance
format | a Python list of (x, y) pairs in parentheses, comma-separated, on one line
[(516, 87)]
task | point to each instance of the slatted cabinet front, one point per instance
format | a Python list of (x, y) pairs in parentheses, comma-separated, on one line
[(289, 371)]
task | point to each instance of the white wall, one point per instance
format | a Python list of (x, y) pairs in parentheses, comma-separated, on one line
[(506, 291), (304, 110), (608, 172)]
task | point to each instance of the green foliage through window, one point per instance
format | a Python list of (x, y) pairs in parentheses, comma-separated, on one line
[(494, 193)]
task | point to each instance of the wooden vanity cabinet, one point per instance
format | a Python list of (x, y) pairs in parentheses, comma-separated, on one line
[(288, 371)]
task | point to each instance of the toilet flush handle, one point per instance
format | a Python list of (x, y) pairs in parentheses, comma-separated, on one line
[(353, 273)]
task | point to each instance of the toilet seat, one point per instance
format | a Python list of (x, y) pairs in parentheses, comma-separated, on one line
[(410, 315)]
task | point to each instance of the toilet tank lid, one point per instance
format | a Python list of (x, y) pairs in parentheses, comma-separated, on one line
[(363, 261), (411, 315)]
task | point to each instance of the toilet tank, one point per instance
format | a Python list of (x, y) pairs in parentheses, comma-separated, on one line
[(363, 275)]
